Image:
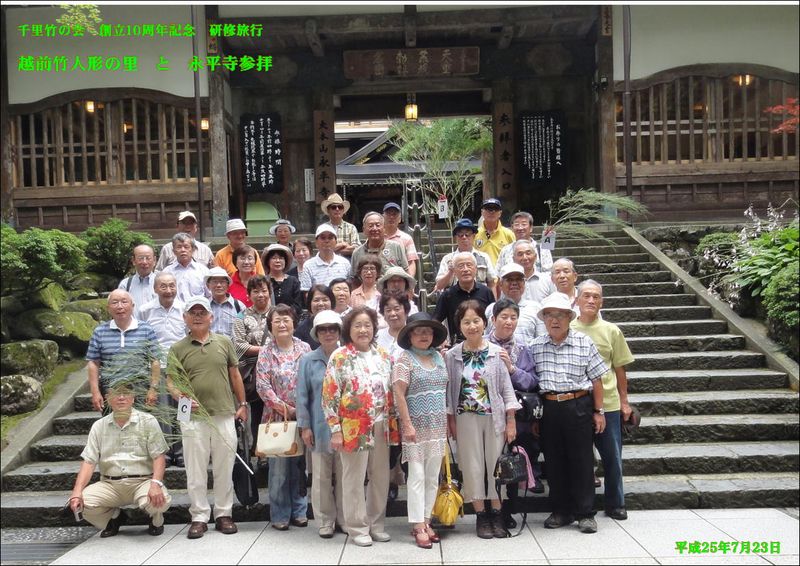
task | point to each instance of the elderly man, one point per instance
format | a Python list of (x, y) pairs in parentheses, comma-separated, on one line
[(236, 232), (189, 274), (121, 348), (492, 235), (464, 235), (466, 288), (611, 344), (326, 265), (165, 315), (537, 285), (569, 368), (391, 226), (129, 448), (396, 281), (564, 278), (187, 222), (347, 239), (512, 285), (225, 308), (204, 368), (140, 284), (522, 226), (391, 253)]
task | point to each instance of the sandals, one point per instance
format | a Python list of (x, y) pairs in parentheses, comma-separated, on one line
[(434, 538), (421, 542)]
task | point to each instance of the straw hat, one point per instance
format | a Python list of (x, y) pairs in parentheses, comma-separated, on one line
[(335, 198), (395, 271), (280, 248)]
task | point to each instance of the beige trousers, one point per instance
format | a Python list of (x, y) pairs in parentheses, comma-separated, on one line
[(363, 517), (326, 488), (102, 499), (478, 449)]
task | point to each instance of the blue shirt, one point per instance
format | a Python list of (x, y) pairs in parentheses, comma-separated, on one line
[(123, 354), (309, 398)]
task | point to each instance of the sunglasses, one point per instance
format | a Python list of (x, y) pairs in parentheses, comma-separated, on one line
[(327, 329), (336, 207)]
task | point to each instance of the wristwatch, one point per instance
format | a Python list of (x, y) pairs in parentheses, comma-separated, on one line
[(600, 411), (243, 404)]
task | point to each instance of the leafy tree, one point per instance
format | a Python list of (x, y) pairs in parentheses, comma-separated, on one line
[(442, 151), (109, 246)]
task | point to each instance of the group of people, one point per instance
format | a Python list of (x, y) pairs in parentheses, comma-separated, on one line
[(335, 341)]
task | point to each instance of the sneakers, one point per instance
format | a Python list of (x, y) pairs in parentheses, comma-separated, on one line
[(498, 529), (362, 540), (620, 514), (380, 537), (587, 525), (225, 525), (556, 521), (326, 531), (113, 525), (483, 525)]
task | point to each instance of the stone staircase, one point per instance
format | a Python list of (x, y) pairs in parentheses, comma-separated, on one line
[(719, 428)]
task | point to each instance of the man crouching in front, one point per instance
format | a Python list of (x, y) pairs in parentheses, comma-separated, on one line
[(129, 447)]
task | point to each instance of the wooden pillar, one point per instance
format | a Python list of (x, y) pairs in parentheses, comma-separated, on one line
[(505, 173), (606, 105), (6, 182), (217, 140), (324, 146)]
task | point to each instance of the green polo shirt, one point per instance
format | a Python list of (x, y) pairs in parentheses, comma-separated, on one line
[(205, 366)]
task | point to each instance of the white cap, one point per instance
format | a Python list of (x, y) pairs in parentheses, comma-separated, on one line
[(234, 224), (558, 301), (325, 318), (217, 272), (202, 301), (510, 268), (186, 214), (325, 227)]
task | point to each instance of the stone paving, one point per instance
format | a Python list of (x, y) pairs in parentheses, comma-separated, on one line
[(647, 537)]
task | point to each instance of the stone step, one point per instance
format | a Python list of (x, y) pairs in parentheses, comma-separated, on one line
[(83, 402), (716, 428), (581, 260), (674, 491), (626, 289), (730, 359), (677, 300), (710, 458), (599, 250), (669, 327), (742, 401), (619, 267), (630, 277), (661, 344), (75, 423), (674, 314), (672, 380), (618, 240), (58, 448)]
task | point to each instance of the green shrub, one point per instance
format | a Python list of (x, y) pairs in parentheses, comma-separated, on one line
[(110, 245), (719, 242), (33, 258), (780, 302), (757, 262)]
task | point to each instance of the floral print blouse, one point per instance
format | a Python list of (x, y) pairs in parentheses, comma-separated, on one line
[(348, 399), (474, 395), (276, 376)]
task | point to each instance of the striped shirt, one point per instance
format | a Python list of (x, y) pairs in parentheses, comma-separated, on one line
[(123, 353), (405, 240), (346, 232), (572, 365), (318, 271)]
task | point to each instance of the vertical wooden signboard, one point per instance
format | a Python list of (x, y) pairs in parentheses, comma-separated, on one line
[(503, 129), (324, 155)]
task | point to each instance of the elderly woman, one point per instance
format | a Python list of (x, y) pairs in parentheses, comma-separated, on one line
[(419, 381), (302, 248), (245, 260), (276, 381), (357, 402), (395, 309), (396, 281), (480, 413), (367, 270), (325, 463), (519, 363), (285, 288), (249, 334), (318, 299), (282, 230), (341, 293)]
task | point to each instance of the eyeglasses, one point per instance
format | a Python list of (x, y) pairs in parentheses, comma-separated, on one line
[(198, 314), (336, 207), (559, 315), (246, 259), (369, 268)]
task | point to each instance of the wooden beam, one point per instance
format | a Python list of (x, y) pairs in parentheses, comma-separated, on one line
[(314, 41), (410, 24)]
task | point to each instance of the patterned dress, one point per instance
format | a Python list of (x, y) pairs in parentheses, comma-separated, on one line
[(474, 396), (426, 399)]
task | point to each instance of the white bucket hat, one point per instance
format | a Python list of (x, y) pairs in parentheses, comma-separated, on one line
[(325, 318), (557, 301), (234, 224), (217, 272), (282, 222)]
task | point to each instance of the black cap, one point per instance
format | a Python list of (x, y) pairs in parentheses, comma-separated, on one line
[(465, 223), (492, 202)]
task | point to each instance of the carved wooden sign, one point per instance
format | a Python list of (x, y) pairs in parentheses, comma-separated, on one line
[(503, 128), (324, 155), (399, 63), (262, 153)]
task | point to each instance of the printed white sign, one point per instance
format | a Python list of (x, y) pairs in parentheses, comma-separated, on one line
[(441, 207), (548, 239), (184, 409)]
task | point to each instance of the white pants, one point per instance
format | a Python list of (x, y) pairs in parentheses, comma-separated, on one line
[(478, 449), (363, 517), (422, 484), (215, 440), (326, 496), (102, 499)]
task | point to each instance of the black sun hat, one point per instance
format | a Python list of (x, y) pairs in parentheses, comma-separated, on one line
[(421, 319)]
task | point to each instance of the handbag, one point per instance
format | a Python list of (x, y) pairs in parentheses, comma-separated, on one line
[(279, 438), (532, 408), (449, 503), (244, 483), (510, 467), (247, 369)]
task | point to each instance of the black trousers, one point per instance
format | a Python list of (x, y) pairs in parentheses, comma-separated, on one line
[(566, 433)]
